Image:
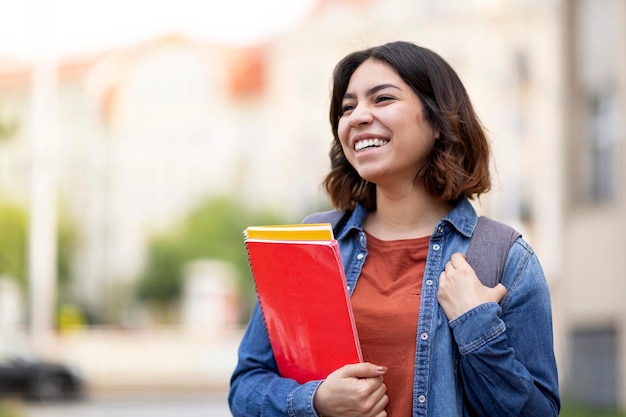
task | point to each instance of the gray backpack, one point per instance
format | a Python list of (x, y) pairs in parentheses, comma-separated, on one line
[(487, 251)]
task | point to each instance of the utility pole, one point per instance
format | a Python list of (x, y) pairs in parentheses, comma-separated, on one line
[(42, 234)]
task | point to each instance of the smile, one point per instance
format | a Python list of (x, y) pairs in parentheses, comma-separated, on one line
[(369, 143)]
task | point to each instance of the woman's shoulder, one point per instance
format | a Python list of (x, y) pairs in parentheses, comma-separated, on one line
[(341, 220)]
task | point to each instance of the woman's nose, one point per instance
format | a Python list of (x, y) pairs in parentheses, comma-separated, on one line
[(361, 115)]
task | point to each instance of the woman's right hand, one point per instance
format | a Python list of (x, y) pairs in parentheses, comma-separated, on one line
[(353, 391)]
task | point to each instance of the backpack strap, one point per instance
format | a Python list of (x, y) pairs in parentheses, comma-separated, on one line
[(489, 248), (333, 217), (487, 252)]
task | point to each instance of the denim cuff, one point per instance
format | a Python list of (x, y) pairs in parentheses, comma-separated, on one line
[(477, 327), (300, 400)]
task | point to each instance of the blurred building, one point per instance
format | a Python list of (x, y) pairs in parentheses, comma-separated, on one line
[(146, 133), (594, 202), (148, 130)]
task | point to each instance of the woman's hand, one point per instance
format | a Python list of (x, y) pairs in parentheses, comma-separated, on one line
[(353, 391), (460, 290)]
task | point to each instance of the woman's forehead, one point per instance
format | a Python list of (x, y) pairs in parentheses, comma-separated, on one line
[(371, 74)]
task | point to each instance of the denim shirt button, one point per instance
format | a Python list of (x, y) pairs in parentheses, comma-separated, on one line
[(440, 229), (421, 398), (436, 246), (429, 282), (360, 256), (424, 336)]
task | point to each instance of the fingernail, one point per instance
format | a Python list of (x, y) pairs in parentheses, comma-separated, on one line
[(381, 369)]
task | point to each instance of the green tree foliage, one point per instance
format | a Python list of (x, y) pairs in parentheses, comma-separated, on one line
[(67, 238), (572, 409), (213, 230), (8, 128), (13, 226), (14, 245), (11, 408)]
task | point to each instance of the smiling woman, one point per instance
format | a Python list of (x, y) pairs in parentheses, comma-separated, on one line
[(408, 154), (76, 26)]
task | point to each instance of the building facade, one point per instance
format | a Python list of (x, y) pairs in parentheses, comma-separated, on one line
[(592, 311)]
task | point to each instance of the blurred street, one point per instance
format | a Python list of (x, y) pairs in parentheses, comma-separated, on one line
[(155, 404)]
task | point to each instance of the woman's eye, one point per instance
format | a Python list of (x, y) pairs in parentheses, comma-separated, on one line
[(383, 98), (347, 108)]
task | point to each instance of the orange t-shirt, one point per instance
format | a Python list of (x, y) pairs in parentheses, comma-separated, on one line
[(386, 304)]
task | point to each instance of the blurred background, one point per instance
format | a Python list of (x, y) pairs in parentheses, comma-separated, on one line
[(139, 138)]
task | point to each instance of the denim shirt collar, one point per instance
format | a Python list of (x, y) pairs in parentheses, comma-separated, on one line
[(462, 217)]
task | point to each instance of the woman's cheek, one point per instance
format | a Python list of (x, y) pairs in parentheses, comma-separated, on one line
[(342, 132)]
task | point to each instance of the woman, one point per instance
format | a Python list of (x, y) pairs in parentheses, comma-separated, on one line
[(408, 153)]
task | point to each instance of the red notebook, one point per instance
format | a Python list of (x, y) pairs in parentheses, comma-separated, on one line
[(302, 292)]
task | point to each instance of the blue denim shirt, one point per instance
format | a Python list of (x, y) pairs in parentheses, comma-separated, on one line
[(498, 358)]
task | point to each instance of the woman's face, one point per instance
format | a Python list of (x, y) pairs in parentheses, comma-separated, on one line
[(382, 129)]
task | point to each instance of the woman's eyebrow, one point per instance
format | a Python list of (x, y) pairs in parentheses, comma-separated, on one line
[(372, 90)]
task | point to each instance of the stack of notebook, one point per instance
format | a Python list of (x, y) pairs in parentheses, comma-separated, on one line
[(301, 287)]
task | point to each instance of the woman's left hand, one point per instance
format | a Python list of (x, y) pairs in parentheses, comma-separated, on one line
[(460, 290)]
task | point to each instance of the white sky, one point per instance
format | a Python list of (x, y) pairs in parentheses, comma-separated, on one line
[(32, 27)]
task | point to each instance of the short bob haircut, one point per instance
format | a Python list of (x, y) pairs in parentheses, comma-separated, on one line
[(459, 162)]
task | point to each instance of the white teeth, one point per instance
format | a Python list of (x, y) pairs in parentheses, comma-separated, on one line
[(369, 143)]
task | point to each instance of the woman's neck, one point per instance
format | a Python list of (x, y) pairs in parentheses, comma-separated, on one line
[(405, 215)]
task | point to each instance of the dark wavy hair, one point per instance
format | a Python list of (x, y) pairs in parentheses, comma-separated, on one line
[(457, 166)]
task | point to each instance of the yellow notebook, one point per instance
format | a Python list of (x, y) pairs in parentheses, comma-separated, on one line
[(289, 232)]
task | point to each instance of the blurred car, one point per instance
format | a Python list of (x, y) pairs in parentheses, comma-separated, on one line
[(25, 375)]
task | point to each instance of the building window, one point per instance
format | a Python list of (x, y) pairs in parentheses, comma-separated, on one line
[(597, 130), (603, 140), (593, 379)]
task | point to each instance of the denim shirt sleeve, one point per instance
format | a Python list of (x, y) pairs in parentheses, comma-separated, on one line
[(507, 359), (256, 388)]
